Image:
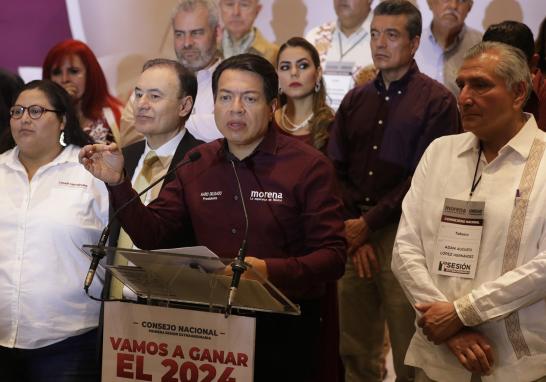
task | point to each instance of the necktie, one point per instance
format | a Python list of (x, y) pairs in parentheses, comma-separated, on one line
[(151, 170)]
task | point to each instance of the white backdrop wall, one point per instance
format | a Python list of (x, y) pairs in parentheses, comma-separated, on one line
[(124, 33)]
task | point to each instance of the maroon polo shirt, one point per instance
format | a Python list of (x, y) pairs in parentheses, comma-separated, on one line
[(295, 217), (378, 137)]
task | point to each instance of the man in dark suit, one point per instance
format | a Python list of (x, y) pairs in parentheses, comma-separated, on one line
[(164, 97)]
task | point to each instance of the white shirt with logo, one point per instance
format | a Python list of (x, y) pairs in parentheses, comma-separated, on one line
[(43, 225)]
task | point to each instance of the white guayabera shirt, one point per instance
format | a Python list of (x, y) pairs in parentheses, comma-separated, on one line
[(485, 302)]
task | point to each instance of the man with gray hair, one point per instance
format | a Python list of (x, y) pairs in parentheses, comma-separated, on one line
[(196, 31), (520, 36), (445, 42), (239, 33), (162, 103), (470, 248)]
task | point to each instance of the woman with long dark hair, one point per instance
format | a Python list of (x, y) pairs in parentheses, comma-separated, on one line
[(304, 113)]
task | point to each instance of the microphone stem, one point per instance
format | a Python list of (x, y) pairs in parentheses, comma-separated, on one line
[(238, 266), (98, 254)]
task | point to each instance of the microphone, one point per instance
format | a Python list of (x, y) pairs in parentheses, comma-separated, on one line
[(98, 253), (238, 266)]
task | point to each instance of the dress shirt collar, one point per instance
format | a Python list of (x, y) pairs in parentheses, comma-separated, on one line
[(232, 48), (453, 45), (11, 159), (268, 145), (166, 151), (207, 72), (521, 143), (364, 29), (402, 83)]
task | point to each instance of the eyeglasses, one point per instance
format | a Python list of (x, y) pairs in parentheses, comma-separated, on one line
[(34, 111)]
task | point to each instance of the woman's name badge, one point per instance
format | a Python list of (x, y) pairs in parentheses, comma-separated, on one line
[(459, 238)]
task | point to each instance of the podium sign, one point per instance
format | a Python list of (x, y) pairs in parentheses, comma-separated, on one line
[(151, 343)]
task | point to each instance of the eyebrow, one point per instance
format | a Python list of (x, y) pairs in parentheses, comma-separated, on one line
[(297, 61), (386, 30), (233, 92), (152, 90), (189, 31)]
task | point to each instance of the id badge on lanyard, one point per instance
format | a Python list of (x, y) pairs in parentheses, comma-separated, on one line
[(338, 80), (459, 238), (460, 234)]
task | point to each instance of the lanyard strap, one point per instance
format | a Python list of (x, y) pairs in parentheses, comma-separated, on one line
[(343, 54), (474, 181)]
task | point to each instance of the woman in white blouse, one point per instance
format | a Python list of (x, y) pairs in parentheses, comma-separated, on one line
[(50, 207)]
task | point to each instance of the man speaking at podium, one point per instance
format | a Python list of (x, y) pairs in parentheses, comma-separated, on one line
[(295, 227)]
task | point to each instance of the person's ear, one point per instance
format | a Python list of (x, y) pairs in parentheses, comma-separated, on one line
[(185, 106), (273, 107), (319, 74), (63, 122), (415, 44), (520, 95), (533, 63)]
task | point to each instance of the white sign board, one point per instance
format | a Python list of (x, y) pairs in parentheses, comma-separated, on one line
[(150, 343)]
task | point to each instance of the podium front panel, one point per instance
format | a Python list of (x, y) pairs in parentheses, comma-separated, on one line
[(151, 343)]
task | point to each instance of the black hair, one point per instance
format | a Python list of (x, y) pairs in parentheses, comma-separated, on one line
[(10, 84), (323, 114), (414, 25), (61, 101), (512, 33), (250, 63), (540, 46)]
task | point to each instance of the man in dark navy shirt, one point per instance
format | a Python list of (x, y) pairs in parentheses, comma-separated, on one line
[(295, 234), (379, 134)]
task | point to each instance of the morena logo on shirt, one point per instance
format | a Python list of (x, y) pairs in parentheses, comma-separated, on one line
[(266, 196)]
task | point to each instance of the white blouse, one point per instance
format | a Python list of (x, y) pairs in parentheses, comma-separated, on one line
[(43, 224)]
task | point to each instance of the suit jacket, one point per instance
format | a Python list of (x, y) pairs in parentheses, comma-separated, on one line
[(262, 47), (131, 155)]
